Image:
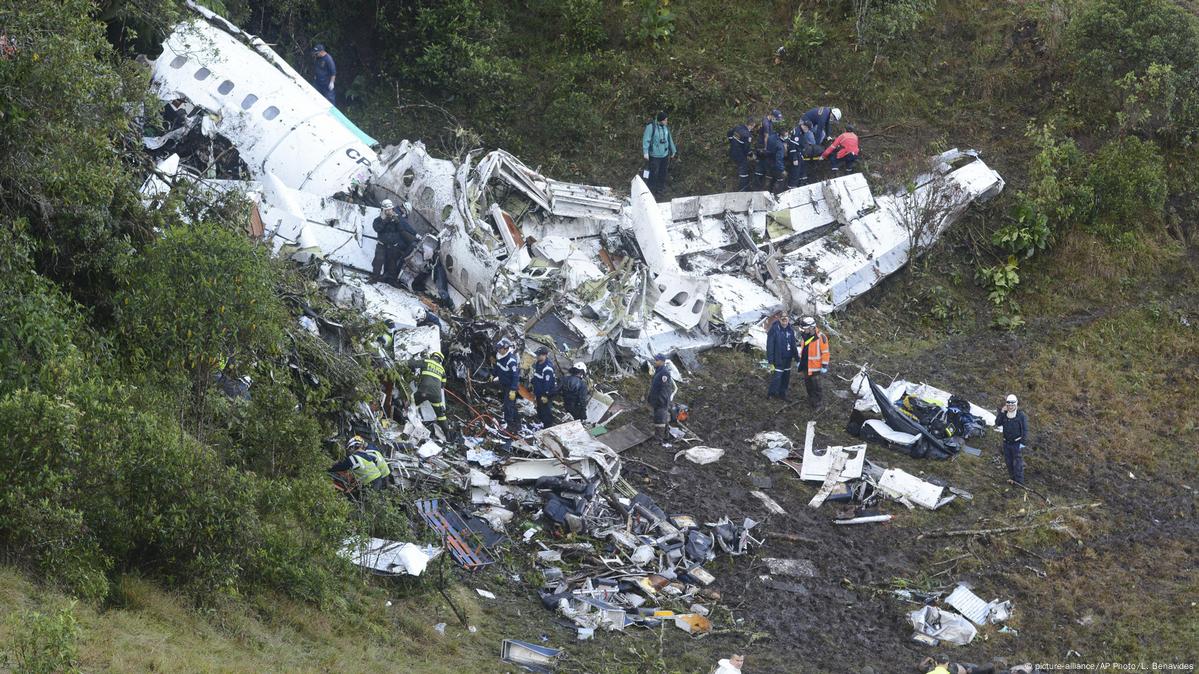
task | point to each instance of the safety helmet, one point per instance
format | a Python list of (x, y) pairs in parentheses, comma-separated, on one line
[(1011, 399), (503, 344), (808, 322), (436, 355), (580, 366), (387, 204), (836, 114), (356, 442)]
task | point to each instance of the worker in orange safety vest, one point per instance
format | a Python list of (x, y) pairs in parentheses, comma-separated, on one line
[(813, 357)]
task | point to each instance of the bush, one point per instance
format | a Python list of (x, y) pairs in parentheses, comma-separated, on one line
[(1128, 179), (198, 297), (43, 644), (582, 24), (64, 105), (1136, 65), (36, 347), (807, 35), (653, 20), (882, 22)]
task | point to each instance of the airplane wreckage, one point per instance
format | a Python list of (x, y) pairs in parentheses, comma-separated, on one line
[(606, 277), (599, 277)]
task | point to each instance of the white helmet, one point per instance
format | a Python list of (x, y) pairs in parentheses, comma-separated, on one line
[(387, 204), (1011, 399), (808, 322), (580, 366), (836, 114)]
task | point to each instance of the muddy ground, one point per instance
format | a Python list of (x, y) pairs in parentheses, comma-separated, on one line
[(1102, 533)]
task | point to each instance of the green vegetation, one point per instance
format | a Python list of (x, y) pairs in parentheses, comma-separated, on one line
[(135, 486)]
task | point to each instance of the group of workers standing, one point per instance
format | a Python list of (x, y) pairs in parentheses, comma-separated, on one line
[(809, 349), (781, 154), (767, 154), (573, 389)]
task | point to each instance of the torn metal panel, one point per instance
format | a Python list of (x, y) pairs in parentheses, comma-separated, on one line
[(681, 299), (890, 434), (624, 437), (817, 463), (800, 210), (470, 267), (531, 656), (902, 485), (278, 122), (848, 197), (739, 301), (649, 227), (971, 605)]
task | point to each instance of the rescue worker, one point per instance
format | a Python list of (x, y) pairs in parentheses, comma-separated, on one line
[(430, 386), (740, 147), (1013, 423), (658, 148), (367, 465), (575, 392), (396, 237), (796, 170), (767, 126), (781, 349), (819, 118), (661, 391), (545, 386), (324, 72), (813, 357), (771, 160), (506, 373), (844, 150)]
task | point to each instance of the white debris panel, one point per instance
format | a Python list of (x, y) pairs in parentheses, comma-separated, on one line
[(618, 277)]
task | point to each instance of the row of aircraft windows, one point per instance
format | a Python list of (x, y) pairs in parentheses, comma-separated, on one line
[(226, 87)]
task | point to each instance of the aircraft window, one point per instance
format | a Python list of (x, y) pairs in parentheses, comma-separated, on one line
[(203, 73), (178, 61), (248, 102), (270, 113), (225, 87)]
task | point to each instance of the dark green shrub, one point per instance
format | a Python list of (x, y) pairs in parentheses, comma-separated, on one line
[(1128, 180), (39, 520), (1136, 66), (199, 297)]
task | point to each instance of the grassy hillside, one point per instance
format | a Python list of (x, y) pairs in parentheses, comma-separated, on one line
[(1075, 289)]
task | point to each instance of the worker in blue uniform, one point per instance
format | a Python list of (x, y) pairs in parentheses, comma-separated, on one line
[(506, 374), (781, 350), (545, 386)]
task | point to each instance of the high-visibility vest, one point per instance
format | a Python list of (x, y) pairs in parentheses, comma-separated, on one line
[(369, 465), (817, 352), (434, 369)]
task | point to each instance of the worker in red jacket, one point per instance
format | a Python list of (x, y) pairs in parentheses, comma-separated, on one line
[(844, 150)]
